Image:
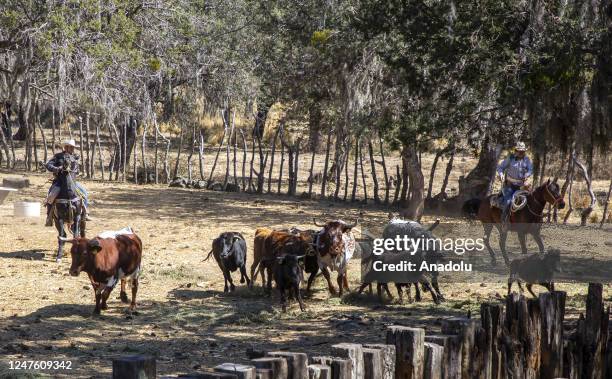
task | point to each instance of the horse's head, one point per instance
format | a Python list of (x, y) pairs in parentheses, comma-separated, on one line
[(552, 193)]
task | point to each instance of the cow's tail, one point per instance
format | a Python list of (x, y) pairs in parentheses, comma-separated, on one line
[(208, 256), (470, 208)]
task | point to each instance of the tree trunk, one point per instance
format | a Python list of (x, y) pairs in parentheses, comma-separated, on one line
[(191, 152), (326, 165), (449, 169), (212, 170), (251, 188), (398, 184), (226, 125), (384, 166), (201, 154), (280, 171), (354, 192), (235, 150), (156, 159), (314, 126), (478, 183), (363, 175), (414, 210), (244, 157), (89, 158), (84, 161), (178, 156), (584, 215), (346, 171), (143, 151), (136, 160), (311, 172), (273, 152), (100, 158), (373, 167)]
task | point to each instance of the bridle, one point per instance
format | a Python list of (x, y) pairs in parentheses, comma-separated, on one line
[(554, 203)]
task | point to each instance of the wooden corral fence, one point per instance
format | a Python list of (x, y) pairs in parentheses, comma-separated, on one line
[(526, 338)]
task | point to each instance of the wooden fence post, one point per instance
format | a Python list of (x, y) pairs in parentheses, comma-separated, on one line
[(552, 305), (319, 372), (277, 365), (433, 361), (388, 358), (134, 367), (409, 348), (351, 351), (241, 371), (372, 364), (296, 363)]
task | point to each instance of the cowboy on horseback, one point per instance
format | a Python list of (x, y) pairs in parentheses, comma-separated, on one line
[(514, 171), (68, 161)]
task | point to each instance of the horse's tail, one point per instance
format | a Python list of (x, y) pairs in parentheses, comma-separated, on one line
[(470, 208)]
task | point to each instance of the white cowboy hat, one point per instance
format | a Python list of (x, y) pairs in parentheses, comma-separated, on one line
[(520, 146), (70, 142)]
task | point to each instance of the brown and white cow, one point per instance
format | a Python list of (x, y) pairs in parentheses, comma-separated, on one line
[(334, 245), (106, 261)]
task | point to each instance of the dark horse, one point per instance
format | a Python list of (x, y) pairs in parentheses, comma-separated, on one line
[(68, 210), (527, 220)]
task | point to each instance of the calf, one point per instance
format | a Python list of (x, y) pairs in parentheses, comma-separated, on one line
[(107, 260), (288, 276), (229, 250), (535, 269)]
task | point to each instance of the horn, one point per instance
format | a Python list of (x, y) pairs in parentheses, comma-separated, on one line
[(314, 220), (434, 225), (66, 239)]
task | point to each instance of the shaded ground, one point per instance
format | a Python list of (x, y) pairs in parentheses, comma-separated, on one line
[(183, 316)]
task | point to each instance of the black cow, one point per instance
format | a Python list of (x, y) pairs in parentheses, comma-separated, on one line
[(230, 250), (288, 276)]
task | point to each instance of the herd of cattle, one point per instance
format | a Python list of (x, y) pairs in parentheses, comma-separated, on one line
[(280, 255)]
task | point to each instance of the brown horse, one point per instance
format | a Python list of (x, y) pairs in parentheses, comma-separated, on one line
[(527, 220)]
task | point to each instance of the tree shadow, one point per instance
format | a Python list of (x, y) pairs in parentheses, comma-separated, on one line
[(32, 255)]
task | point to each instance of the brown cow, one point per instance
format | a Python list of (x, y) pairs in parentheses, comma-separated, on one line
[(107, 260), (270, 244)]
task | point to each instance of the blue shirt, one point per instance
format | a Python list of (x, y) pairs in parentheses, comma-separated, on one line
[(515, 168)]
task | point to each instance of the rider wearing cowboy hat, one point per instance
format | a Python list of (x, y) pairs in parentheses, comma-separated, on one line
[(66, 158), (516, 169)]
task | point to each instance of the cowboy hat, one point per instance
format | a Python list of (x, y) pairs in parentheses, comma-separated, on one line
[(70, 142), (520, 146)]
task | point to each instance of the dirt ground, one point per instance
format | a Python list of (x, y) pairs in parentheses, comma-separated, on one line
[(183, 316)]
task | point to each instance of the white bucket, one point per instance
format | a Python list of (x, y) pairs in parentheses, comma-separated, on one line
[(26, 209)]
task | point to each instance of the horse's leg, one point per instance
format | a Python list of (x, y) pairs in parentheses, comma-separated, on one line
[(427, 287), (398, 287), (417, 292), (503, 235), (59, 225), (538, 238), (523, 242), (436, 287), (487, 229)]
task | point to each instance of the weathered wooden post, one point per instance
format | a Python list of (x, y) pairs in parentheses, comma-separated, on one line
[(340, 368), (209, 374), (433, 361), (351, 351), (464, 330), (552, 305), (277, 365), (593, 334), (444, 342), (388, 358), (319, 372), (297, 363), (134, 367), (372, 364), (409, 348), (491, 316), (522, 337), (241, 371)]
